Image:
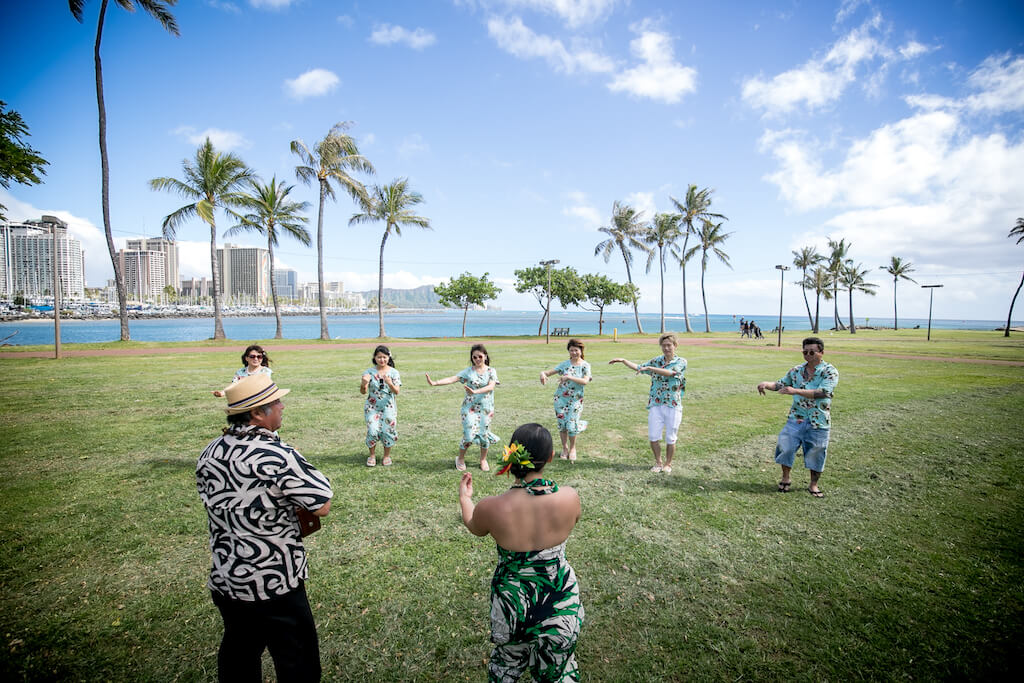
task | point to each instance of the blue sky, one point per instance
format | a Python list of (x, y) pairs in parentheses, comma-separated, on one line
[(894, 125)]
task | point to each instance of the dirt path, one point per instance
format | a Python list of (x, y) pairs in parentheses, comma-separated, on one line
[(286, 345)]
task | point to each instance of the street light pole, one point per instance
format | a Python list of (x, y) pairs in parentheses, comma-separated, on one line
[(782, 277), (548, 264), (931, 290)]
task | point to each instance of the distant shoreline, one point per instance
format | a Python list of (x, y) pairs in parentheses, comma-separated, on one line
[(47, 316)]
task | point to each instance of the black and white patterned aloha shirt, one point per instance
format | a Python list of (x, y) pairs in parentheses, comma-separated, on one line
[(250, 482)]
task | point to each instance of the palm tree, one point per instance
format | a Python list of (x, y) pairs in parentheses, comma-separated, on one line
[(212, 181), (898, 269), (695, 207), (625, 233), (836, 262), (820, 281), (158, 9), (391, 204), (711, 237), (806, 258), (1017, 230), (852, 279), (271, 213), (663, 232), (329, 162)]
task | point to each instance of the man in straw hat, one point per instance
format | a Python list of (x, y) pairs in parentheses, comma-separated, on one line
[(251, 484)]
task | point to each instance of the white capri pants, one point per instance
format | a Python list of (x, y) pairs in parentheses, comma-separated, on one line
[(665, 418)]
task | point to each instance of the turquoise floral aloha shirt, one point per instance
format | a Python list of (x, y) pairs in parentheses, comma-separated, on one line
[(667, 391), (817, 411)]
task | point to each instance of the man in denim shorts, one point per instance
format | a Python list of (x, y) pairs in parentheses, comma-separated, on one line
[(811, 384)]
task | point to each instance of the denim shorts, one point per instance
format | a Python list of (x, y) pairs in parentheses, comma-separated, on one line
[(802, 434)]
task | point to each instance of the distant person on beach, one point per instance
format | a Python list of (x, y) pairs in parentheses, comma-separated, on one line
[(381, 385), (811, 385), (255, 361), (536, 613), (755, 330), (479, 380), (665, 401), (251, 484), (575, 374)]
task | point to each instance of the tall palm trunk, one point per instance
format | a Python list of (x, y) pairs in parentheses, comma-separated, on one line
[(895, 317), (273, 285), (218, 323), (661, 266), (853, 327), (817, 311), (122, 293), (324, 334), (686, 312), (707, 323), (810, 320), (1009, 316), (629, 276), (380, 285), (835, 300)]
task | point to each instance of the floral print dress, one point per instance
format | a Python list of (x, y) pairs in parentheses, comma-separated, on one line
[(569, 397), (478, 409), (244, 372), (380, 409)]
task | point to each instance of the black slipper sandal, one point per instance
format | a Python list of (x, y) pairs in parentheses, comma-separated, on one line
[(817, 494), (784, 486)]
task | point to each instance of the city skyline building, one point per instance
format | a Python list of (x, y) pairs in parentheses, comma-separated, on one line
[(26, 259), (144, 274), (286, 280), (168, 248), (244, 273)]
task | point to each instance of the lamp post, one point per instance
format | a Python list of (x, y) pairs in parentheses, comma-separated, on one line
[(931, 291), (548, 264), (782, 277), (56, 295)]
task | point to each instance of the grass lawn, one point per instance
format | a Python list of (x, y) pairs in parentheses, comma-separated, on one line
[(910, 568)]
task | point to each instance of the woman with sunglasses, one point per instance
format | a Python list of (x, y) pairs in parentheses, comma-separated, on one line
[(479, 380), (255, 361)]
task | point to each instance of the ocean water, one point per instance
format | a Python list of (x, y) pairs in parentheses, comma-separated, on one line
[(419, 325)]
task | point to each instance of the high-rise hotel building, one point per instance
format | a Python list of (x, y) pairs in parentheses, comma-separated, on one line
[(26, 259), (166, 247), (244, 273)]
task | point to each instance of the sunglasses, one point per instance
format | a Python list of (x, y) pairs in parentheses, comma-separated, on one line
[(810, 352), (254, 355)]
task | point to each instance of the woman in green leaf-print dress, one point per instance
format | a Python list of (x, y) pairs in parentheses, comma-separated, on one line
[(479, 380), (536, 613)]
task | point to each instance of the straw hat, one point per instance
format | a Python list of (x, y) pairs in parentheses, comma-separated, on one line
[(250, 392)]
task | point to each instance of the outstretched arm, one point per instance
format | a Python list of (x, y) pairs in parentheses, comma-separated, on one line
[(628, 363), (544, 374), (441, 382), (469, 516)]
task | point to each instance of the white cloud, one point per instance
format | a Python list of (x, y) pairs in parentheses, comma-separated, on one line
[(643, 202), (225, 6), (386, 34), (223, 140), (579, 207), (271, 4), (412, 145), (914, 49), (659, 77), (313, 83), (518, 40), (574, 13), (819, 82), (927, 187), (1001, 82)]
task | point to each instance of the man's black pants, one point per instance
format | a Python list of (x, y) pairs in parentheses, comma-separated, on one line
[(283, 624)]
